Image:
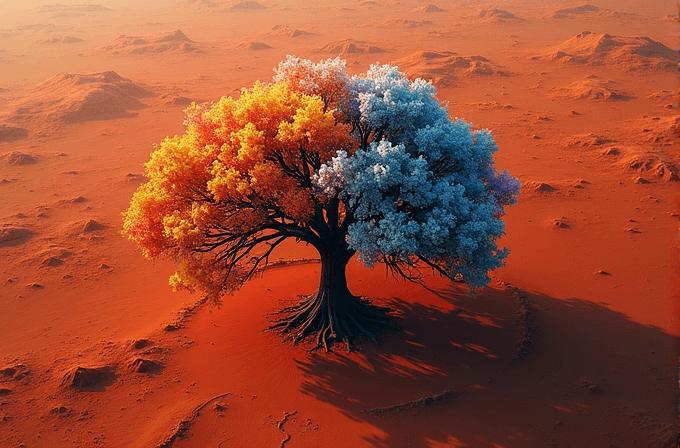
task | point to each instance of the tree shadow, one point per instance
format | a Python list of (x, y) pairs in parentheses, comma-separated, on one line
[(595, 378)]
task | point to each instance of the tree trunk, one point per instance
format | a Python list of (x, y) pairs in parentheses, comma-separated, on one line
[(332, 313)]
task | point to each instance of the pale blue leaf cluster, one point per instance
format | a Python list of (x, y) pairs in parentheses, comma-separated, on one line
[(424, 186)]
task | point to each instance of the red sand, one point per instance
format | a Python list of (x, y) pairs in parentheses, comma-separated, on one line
[(594, 139)]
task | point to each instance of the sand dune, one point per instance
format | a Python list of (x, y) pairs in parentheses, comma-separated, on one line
[(591, 89), (12, 133), (17, 158), (626, 53), (254, 46), (651, 164), (288, 32), (557, 187), (403, 23), (497, 16), (585, 12), (76, 98), (61, 40), (350, 46), (429, 8), (173, 42), (12, 236), (247, 6), (444, 67)]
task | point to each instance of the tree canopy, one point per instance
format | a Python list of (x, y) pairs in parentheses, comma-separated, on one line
[(369, 164)]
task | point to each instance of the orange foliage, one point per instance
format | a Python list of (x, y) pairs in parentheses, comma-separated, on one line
[(242, 167)]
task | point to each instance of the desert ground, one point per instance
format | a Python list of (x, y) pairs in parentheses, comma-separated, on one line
[(573, 344)]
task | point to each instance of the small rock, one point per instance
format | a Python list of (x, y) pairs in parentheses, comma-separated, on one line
[(601, 272)]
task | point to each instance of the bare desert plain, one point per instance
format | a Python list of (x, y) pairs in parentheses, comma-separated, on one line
[(574, 343)]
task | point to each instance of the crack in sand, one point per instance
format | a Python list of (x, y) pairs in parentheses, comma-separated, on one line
[(280, 424)]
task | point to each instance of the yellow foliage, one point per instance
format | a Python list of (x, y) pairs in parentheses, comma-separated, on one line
[(228, 173)]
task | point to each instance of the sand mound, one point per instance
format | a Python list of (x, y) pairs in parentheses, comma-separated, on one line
[(12, 133), (659, 131), (16, 158), (254, 46), (591, 89), (61, 40), (141, 365), (16, 372), (627, 53), (429, 8), (444, 67), (171, 99), (579, 11), (139, 344), (75, 98), (537, 187), (93, 226), (14, 236), (286, 31), (496, 15), (559, 187), (174, 42), (649, 164), (89, 378), (247, 6), (664, 96), (403, 23), (350, 46), (589, 140), (589, 11)]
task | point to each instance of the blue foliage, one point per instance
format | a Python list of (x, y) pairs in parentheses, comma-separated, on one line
[(423, 186)]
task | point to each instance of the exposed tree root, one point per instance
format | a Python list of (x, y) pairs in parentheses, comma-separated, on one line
[(183, 426), (332, 317), (414, 404)]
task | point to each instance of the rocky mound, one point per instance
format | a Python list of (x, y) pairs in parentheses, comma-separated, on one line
[(429, 8), (247, 6), (255, 46), (14, 236), (444, 67), (61, 40), (591, 89), (650, 164), (627, 53), (286, 31), (496, 15), (350, 46), (12, 133), (76, 98), (174, 42), (588, 12), (17, 158), (403, 23), (171, 99), (89, 378), (589, 140)]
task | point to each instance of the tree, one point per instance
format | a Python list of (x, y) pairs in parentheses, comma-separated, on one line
[(367, 164)]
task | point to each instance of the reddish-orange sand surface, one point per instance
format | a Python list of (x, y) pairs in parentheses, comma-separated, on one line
[(96, 351)]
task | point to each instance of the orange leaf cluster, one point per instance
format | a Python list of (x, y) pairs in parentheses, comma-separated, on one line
[(241, 165)]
